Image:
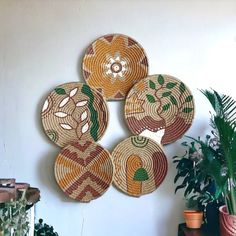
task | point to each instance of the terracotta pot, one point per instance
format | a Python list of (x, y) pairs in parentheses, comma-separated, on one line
[(227, 222), (193, 219)]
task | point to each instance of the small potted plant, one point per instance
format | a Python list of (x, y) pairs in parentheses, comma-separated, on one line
[(193, 215), (197, 183)]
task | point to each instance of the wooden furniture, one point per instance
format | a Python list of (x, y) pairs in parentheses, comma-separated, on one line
[(203, 231)]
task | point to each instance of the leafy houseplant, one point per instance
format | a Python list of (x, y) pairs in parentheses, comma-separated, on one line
[(199, 185), (41, 229), (223, 162), (218, 164), (13, 218), (192, 168), (15, 200)]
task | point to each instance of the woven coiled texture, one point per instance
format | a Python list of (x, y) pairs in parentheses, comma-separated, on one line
[(84, 170), (160, 102), (74, 111), (140, 165), (113, 63)]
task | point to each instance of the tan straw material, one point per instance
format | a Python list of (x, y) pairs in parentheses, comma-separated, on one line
[(113, 63), (84, 170), (74, 111), (160, 102), (140, 165)]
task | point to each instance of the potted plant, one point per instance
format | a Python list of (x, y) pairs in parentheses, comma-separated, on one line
[(193, 215), (14, 219), (197, 183), (15, 201), (41, 229), (219, 161), (223, 168)]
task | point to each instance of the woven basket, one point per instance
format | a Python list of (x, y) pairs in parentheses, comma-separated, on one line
[(84, 170), (113, 63), (74, 111), (159, 103), (140, 165)]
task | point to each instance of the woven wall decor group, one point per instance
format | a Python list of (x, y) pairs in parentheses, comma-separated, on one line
[(158, 110)]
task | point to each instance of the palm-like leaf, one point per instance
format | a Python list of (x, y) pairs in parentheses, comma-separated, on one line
[(224, 106), (224, 121)]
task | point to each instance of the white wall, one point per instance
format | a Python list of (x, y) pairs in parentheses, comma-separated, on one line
[(41, 46)]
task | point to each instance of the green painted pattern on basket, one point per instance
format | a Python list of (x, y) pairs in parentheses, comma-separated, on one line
[(141, 175), (60, 91), (94, 114), (139, 141), (52, 134)]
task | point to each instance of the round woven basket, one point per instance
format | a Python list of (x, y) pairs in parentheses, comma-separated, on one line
[(140, 165), (84, 170), (113, 63), (159, 103), (74, 111)]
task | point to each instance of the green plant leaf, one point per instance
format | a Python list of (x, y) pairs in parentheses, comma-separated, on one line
[(141, 175), (187, 110), (175, 161), (223, 105), (166, 94), (170, 85), (184, 144), (182, 87), (179, 187), (161, 80), (189, 188), (60, 91), (189, 98), (150, 98), (152, 85), (173, 100), (166, 107)]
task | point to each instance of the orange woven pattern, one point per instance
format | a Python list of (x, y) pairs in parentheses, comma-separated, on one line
[(74, 111), (113, 63), (160, 102), (140, 165), (84, 170)]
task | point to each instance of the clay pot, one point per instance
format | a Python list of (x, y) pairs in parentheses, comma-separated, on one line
[(193, 219), (227, 222)]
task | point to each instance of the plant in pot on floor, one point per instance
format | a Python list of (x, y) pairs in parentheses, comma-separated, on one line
[(219, 161), (223, 166), (199, 186)]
